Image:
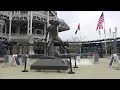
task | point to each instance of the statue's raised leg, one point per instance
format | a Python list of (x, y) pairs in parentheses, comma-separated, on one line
[(61, 42)]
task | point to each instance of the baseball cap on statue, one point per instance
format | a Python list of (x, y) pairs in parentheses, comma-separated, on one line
[(51, 21), (56, 22)]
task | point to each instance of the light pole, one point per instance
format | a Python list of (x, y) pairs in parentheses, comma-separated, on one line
[(30, 33), (114, 42), (25, 57)]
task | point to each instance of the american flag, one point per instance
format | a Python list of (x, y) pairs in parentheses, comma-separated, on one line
[(101, 20)]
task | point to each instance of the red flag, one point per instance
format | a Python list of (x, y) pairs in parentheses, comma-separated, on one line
[(101, 20), (78, 28)]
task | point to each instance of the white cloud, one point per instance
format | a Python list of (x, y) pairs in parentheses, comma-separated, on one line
[(88, 21)]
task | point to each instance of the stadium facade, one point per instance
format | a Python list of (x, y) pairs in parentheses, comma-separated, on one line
[(25, 30)]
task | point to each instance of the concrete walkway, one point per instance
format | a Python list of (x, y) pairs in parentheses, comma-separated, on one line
[(86, 70)]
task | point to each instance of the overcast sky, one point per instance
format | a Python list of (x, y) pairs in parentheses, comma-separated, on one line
[(88, 22)]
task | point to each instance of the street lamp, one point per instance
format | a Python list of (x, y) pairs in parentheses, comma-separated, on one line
[(25, 57), (114, 42)]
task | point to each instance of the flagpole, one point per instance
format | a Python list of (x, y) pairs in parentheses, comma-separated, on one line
[(105, 38), (100, 53), (115, 41), (100, 34), (115, 32), (80, 43), (80, 35), (110, 39)]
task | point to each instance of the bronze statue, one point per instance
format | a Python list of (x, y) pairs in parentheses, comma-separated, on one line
[(53, 31)]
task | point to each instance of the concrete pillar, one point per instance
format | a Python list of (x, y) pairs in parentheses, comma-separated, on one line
[(45, 25), (31, 18), (1, 29), (28, 23), (10, 24), (45, 47), (30, 48), (5, 28), (2, 22)]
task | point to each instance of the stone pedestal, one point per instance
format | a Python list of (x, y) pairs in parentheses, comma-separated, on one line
[(96, 58), (7, 58), (49, 63), (31, 51)]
